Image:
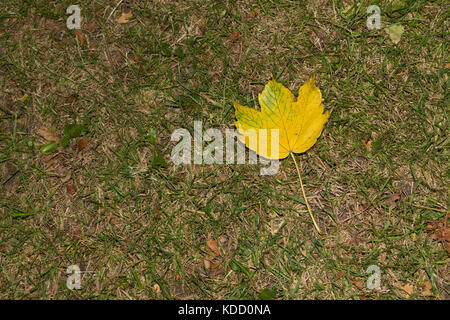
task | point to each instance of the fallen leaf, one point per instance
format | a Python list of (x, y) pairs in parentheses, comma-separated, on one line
[(433, 225), (80, 37), (71, 189), (156, 213), (426, 288), (383, 258), (48, 135), (234, 36), (249, 17), (213, 268), (82, 144), (298, 124), (125, 17), (213, 248), (442, 234), (367, 144), (49, 147), (357, 284), (392, 200), (22, 99), (223, 239), (137, 58), (156, 288), (441, 231), (207, 264), (395, 32), (408, 288), (72, 131), (211, 262)]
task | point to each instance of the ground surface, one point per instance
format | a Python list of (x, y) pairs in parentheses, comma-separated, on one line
[(377, 179)]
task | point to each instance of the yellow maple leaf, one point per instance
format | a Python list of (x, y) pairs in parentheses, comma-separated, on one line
[(299, 122)]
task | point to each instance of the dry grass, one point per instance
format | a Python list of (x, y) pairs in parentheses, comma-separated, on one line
[(141, 231)]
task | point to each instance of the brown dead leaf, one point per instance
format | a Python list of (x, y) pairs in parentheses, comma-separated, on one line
[(137, 58), (357, 284), (207, 264), (223, 240), (408, 288), (156, 214), (441, 231), (212, 262), (125, 17), (367, 144), (82, 144), (392, 201), (442, 234), (71, 189), (234, 36), (48, 135), (383, 258), (426, 288), (433, 225), (80, 36), (212, 248), (213, 268), (249, 17)]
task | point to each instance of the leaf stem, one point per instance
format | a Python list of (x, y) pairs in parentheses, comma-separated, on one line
[(304, 195)]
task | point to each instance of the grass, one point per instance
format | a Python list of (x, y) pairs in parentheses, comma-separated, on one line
[(141, 230)]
